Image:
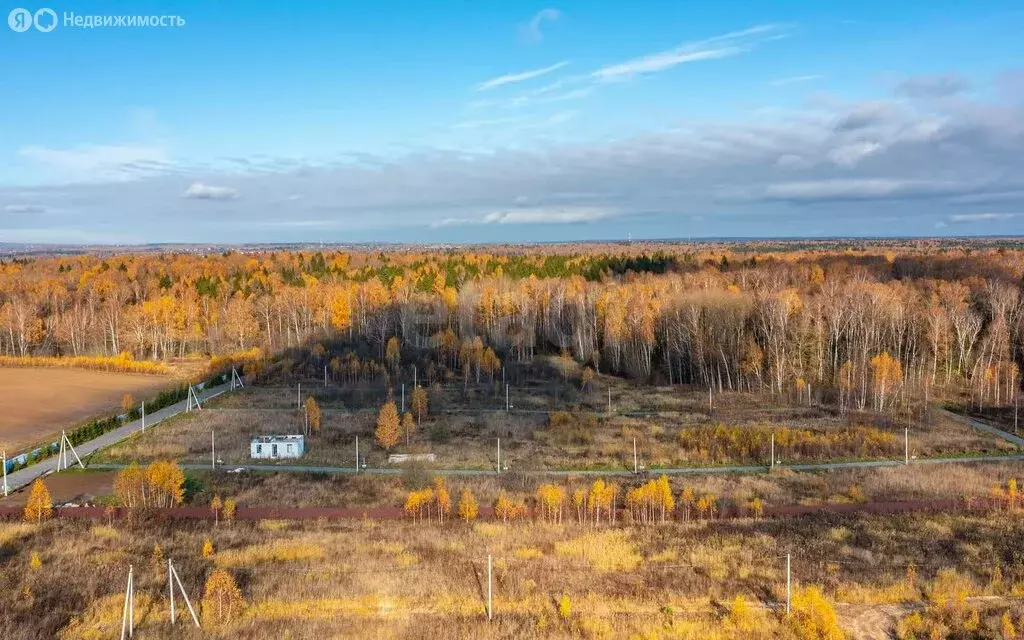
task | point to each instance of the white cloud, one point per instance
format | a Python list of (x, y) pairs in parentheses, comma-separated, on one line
[(535, 215), (531, 32), (522, 76), (980, 217), (725, 45), (850, 154), (200, 191)]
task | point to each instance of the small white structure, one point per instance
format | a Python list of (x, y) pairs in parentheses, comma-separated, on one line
[(402, 458), (274, 447)]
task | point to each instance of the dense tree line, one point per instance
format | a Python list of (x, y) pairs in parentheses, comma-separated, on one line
[(866, 325)]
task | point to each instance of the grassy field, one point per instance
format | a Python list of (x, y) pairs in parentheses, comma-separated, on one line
[(404, 580), (555, 425), (38, 403)]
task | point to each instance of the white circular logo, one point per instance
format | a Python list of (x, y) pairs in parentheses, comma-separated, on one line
[(44, 25), (20, 20)]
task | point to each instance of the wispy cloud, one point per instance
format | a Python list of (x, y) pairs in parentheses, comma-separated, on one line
[(200, 191), (781, 82), (723, 46), (24, 208), (512, 78), (530, 32), (937, 86), (535, 215), (980, 217), (96, 162)]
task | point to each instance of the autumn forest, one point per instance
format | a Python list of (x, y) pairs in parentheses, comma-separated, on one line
[(864, 327)]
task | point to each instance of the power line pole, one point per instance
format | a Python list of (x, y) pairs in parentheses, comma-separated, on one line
[(172, 578), (128, 614), (789, 583)]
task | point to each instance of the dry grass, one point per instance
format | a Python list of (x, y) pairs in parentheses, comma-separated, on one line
[(397, 579)]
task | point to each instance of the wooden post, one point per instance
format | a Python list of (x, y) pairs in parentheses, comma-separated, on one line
[(789, 590), (128, 614), (170, 588)]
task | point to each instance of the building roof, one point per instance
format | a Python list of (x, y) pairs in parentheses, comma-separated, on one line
[(275, 439)]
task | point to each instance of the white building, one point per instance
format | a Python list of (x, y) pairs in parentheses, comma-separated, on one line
[(274, 447)]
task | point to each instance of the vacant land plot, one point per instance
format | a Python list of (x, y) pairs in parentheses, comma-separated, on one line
[(555, 425), (38, 403)]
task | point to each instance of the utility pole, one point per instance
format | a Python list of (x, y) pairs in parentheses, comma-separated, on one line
[(172, 577), (128, 613), (789, 583), (906, 445), (490, 602), (634, 457)]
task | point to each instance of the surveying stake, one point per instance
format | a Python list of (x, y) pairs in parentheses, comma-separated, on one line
[(193, 399), (236, 380), (172, 578), (128, 614), (62, 455)]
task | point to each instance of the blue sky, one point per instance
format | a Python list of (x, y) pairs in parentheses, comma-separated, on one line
[(480, 121)]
